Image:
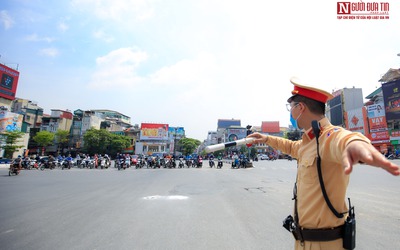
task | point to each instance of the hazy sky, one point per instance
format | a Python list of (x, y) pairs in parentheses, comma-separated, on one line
[(190, 62)]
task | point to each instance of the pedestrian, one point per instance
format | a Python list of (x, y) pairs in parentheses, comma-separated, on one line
[(335, 151)]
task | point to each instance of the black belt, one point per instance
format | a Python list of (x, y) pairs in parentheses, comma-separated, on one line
[(328, 234)]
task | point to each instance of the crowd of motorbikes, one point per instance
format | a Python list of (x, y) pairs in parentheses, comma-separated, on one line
[(241, 162), (121, 162)]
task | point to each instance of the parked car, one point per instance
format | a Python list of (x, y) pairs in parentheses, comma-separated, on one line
[(263, 157)]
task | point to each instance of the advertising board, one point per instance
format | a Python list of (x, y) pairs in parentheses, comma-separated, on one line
[(391, 96), (9, 82), (10, 122), (153, 131)]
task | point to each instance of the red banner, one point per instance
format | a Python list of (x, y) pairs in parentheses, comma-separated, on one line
[(9, 82)]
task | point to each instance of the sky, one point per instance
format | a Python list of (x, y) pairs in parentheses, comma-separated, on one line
[(188, 63)]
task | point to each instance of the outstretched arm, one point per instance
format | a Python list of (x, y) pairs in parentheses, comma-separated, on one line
[(260, 138), (359, 151)]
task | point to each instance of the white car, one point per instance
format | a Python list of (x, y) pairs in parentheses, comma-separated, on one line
[(263, 157)]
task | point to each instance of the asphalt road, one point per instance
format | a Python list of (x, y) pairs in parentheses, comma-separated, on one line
[(178, 208)]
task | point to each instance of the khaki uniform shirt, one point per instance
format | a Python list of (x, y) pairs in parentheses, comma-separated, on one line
[(312, 208)]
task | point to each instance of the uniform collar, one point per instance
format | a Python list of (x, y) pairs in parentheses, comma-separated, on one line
[(323, 123)]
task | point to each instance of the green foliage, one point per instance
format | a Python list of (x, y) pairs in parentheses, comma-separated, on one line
[(253, 152), (243, 150), (118, 143), (101, 141), (44, 138), (188, 145), (62, 138), (11, 139)]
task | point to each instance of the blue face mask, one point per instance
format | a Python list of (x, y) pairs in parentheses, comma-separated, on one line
[(294, 122)]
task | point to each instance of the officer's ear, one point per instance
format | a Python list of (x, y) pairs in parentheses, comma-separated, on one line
[(302, 106)]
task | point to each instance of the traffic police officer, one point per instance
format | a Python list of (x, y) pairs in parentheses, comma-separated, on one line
[(339, 150)]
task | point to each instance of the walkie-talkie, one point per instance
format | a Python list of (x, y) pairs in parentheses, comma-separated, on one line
[(349, 230), (316, 129)]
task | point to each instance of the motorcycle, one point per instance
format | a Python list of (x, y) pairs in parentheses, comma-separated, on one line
[(141, 163), (220, 163), (127, 162), (199, 163), (245, 162), (89, 163), (82, 164), (66, 164), (121, 164), (157, 163), (211, 163), (134, 162), (235, 163), (33, 164), (47, 164), (173, 161), (181, 163), (26, 163), (150, 162), (103, 164), (14, 169)]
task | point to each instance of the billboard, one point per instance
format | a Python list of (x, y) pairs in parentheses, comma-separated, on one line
[(236, 133), (180, 131), (376, 118), (355, 120), (377, 123), (153, 131), (10, 122), (9, 81), (391, 97)]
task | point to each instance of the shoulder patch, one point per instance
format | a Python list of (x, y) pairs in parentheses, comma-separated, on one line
[(332, 131)]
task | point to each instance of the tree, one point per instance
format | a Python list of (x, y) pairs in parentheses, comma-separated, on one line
[(11, 140), (118, 143), (253, 152), (44, 138), (101, 141), (188, 145), (62, 138)]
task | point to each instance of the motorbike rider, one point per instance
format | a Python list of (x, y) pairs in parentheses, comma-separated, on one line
[(235, 157), (68, 160), (211, 160), (96, 160), (78, 159), (25, 162), (121, 159), (60, 158), (220, 163), (51, 161), (107, 158), (16, 163)]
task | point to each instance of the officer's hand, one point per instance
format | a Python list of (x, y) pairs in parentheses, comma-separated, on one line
[(259, 138), (359, 151)]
